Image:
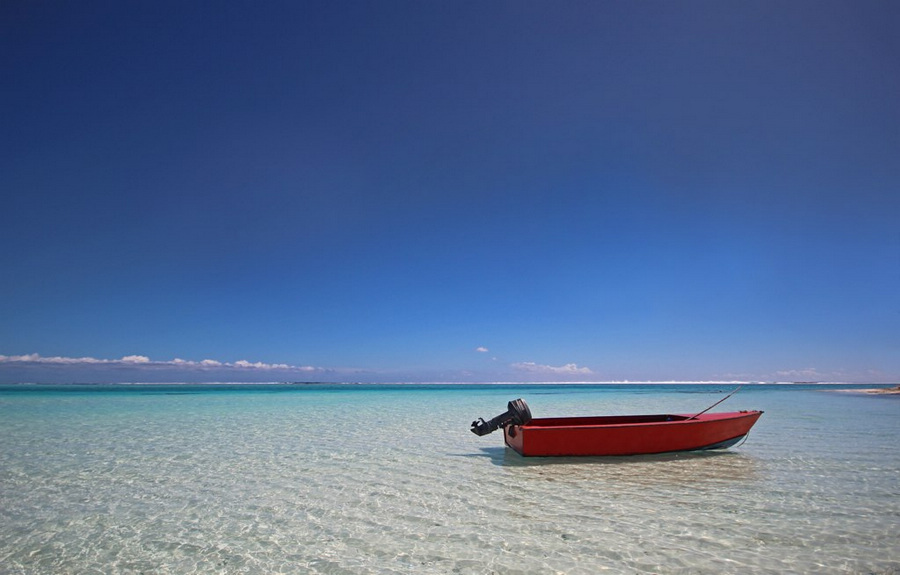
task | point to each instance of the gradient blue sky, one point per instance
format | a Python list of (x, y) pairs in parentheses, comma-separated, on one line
[(452, 191)]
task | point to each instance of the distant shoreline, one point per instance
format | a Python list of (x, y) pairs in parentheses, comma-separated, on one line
[(874, 391), (886, 388), (823, 384)]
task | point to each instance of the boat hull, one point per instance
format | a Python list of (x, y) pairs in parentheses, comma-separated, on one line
[(629, 434)]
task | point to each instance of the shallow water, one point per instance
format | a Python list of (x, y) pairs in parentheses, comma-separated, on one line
[(381, 479)]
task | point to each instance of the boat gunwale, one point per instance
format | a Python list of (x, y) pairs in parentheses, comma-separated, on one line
[(687, 419)]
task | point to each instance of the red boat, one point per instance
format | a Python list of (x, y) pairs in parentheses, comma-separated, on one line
[(617, 434)]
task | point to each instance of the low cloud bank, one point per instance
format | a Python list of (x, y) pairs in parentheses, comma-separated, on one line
[(133, 360), (567, 369), (35, 367)]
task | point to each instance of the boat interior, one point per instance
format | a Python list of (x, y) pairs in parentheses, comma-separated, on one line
[(604, 420)]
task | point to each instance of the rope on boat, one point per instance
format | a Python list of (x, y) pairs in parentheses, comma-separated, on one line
[(715, 404)]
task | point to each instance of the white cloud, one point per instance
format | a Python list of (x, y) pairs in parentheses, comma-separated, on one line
[(568, 369), (260, 365), (12, 358), (814, 374), (143, 360), (37, 358), (481, 349), (808, 374)]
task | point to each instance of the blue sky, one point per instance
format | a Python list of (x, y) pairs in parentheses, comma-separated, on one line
[(450, 191)]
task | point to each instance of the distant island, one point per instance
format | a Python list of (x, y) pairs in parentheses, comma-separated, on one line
[(885, 390), (875, 390)]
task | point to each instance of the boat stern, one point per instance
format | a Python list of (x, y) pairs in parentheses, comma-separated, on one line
[(514, 438)]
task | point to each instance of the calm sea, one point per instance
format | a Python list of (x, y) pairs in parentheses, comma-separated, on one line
[(354, 479)]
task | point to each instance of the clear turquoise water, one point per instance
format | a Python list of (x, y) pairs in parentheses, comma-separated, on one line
[(380, 479)]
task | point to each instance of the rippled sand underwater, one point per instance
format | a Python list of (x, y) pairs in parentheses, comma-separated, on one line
[(358, 479)]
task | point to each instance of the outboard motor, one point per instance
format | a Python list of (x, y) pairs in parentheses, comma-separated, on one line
[(517, 414)]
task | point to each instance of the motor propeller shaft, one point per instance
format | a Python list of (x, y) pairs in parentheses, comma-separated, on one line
[(516, 414)]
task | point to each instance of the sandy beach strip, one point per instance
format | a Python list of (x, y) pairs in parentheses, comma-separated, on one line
[(875, 390)]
